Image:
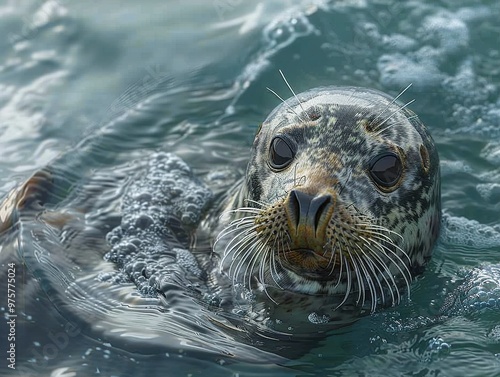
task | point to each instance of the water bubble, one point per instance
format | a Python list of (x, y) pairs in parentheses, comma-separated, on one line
[(154, 206), (480, 291), (318, 319), (144, 221), (437, 347), (461, 231)]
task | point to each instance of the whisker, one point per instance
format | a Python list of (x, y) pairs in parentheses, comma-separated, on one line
[(378, 227), (283, 248), (237, 263), (326, 249), (251, 265), (242, 220), (236, 248), (231, 228), (391, 243), (334, 257), (390, 116), (259, 203), (370, 281), (359, 278), (348, 289), (352, 95), (391, 103), (274, 270), (286, 103), (266, 249), (262, 277), (290, 87), (375, 271), (273, 261), (378, 237), (252, 255), (342, 257), (405, 274), (243, 210), (385, 268), (251, 210), (380, 241), (248, 232)]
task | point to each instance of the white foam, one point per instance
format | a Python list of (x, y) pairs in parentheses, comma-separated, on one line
[(449, 167), (397, 70), (451, 33), (459, 231), (491, 152), (489, 191)]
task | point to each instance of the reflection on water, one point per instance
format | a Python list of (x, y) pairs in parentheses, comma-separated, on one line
[(87, 271), (76, 313)]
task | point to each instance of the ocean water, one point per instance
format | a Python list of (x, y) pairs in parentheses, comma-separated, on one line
[(90, 90)]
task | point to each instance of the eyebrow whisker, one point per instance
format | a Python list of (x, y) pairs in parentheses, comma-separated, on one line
[(290, 87), (286, 103)]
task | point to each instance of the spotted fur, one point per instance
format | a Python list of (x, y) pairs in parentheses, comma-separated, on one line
[(337, 132)]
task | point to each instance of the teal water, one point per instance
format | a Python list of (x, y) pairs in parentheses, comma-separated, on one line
[(90, 89)]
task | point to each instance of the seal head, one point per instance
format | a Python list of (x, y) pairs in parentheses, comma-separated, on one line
[(341, 200)]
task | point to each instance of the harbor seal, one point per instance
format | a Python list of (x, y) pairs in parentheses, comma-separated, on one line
[(338, 210)]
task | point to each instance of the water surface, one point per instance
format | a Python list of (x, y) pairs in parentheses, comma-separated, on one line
[(90, 90)]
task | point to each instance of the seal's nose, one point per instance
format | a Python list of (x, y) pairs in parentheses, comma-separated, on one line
[(306, 211)]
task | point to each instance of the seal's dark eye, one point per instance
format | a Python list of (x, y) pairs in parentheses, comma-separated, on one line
[(281, 153), (386, 169)]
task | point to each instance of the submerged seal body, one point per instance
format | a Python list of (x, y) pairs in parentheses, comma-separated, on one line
[(338, 210)]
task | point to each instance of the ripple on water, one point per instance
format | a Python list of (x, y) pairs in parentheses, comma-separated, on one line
[(281, 32), (145, 296), (430, 47)]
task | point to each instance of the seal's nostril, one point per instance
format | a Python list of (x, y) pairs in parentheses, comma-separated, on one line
[(318, 207), (307, 209), (294, 206)]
